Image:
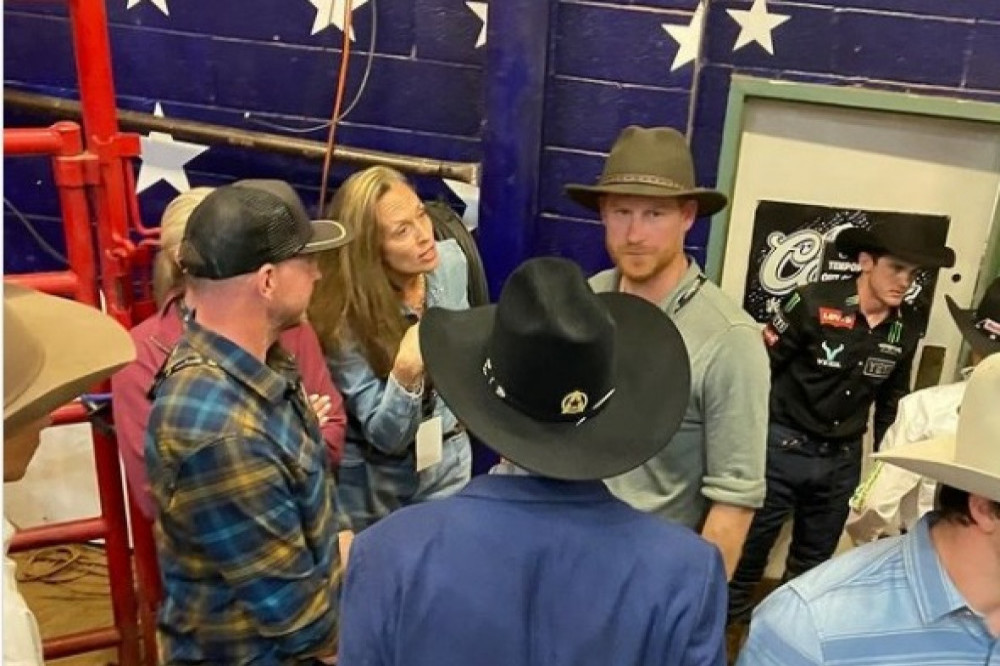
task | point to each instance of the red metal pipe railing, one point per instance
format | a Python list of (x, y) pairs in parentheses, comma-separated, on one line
[(84, 641), (97, 97), (78, 175), (60, 283)]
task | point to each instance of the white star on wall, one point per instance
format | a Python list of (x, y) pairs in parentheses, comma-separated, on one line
[(756, 25), (688, 38), (469, 194), (481, 10), (160, 4), (331, 12), (164, 159)]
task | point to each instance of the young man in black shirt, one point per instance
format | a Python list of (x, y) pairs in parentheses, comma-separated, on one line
[(836, 348)]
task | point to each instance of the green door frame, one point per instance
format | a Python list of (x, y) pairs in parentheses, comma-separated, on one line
[(744, 87)]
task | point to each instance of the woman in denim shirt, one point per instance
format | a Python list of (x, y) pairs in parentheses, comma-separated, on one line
[(366, 310)]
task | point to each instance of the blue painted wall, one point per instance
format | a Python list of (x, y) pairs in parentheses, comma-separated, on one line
[(254, 63)]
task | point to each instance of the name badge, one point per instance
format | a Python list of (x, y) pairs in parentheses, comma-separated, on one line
[(429, 443)]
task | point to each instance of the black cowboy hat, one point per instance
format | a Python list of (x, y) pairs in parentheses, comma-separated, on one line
[(981, 326), (893, 234), (649, 162), (560, 380)]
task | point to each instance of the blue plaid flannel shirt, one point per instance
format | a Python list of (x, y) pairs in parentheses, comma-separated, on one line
[(246, 526)]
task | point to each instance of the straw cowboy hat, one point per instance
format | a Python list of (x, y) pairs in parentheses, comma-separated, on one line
[(970, 459), (981, 326), (54, 349), (649, 162), (560, 380), (892, 234)]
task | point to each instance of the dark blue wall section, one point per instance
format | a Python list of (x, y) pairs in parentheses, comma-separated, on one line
[(430, 91)]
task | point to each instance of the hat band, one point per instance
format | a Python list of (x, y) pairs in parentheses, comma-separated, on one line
[(990, 327), (642, 179), (575, 406)]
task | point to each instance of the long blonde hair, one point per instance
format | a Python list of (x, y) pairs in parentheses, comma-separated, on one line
[(167, 275), (354, 302)]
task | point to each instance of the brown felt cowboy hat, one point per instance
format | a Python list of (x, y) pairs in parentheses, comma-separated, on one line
[(980, 326), (54, 349), (649, 162), (893, 234), (970, 459), (562, 381)]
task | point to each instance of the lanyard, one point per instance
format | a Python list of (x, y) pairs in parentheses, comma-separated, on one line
[(686, 297)]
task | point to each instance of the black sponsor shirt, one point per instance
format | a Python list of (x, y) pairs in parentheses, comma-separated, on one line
[(828, 366)]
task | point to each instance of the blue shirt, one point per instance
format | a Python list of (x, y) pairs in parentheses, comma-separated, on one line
[(384, 414), (246, 526), (890, 602), (531, 571)]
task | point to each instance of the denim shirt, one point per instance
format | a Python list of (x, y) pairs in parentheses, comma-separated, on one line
[(380, 411)]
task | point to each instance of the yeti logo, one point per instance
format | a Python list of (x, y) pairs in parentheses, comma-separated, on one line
[(831, 355)]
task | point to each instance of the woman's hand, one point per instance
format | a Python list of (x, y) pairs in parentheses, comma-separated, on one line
[(408, 369)]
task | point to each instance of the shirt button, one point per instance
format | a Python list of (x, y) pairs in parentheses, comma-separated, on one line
[(836, 423), (847, 392), (860, 363)]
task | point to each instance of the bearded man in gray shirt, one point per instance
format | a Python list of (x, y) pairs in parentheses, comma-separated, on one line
[(711, 477)]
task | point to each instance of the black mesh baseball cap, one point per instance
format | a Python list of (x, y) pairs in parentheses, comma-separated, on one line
[(240, 227)]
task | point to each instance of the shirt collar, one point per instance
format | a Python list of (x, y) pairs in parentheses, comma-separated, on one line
[(271, 381), (688, 283), (851, 299), (933, 589), (508, 488)]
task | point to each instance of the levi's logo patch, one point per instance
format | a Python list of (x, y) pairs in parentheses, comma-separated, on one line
[(835, 318)]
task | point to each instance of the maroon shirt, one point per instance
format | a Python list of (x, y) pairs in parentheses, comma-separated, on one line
[(154, 339)]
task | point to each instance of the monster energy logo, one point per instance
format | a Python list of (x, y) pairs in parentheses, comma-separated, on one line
[(860, 497), (792, 301), (896, 334)]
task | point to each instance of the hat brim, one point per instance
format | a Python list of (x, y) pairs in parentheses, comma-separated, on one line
[(327, 235), (935, 459), (710, 202), (80, 344), (855, 240), (651, 380), (965, 319)]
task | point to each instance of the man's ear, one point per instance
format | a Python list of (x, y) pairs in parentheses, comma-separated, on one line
[(265, 280), (866, 261), (689, 209), (984, 513)]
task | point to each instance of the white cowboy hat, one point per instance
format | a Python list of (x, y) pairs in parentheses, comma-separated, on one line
[(970, 459)]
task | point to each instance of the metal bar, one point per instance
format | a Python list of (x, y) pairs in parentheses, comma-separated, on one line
[(190, 130), (109, 486), (72, 531), (108, 208), (33, 141), (516, 62), (74, 412), (60, 283), (84, 641)]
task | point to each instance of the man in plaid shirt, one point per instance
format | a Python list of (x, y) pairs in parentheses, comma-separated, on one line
[(246, 526)]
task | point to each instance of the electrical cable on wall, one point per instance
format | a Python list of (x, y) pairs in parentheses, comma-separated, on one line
[(350, 107), (20, 217), (338, 100)]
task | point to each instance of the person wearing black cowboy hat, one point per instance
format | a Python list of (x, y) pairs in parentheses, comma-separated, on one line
[(891, 499), (538, 563), (836, 348), (711, 478)]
